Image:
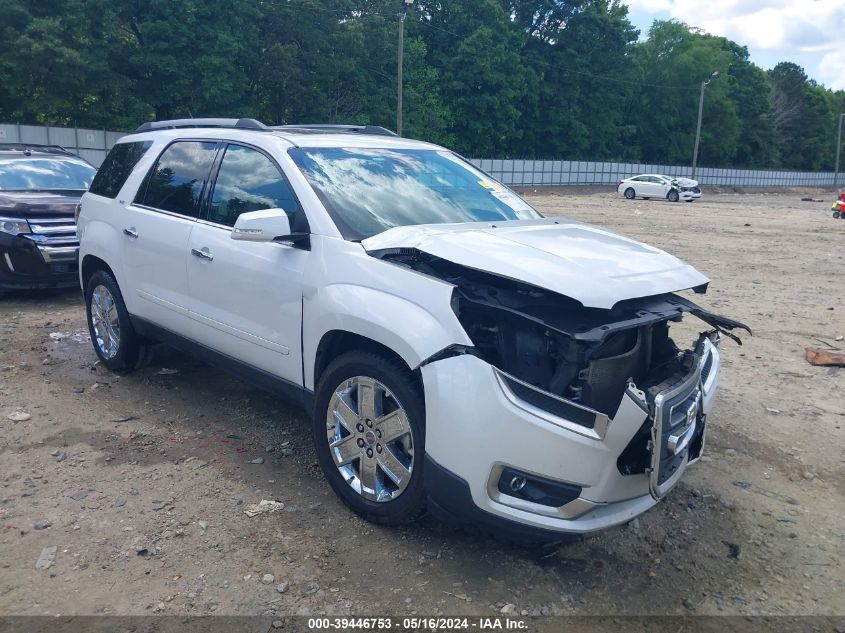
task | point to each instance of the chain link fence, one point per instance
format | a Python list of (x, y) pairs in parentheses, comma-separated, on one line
[(93, 145)]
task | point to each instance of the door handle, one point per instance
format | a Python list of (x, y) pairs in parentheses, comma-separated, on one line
[(204, 253), (131, 232)]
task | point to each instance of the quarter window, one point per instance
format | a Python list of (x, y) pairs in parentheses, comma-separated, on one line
[(248, 181), (116, 168), (176, 182)]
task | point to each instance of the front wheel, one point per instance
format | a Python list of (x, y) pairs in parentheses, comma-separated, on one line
[(672, 196), (369, 419), (630, 193), (837, 214)]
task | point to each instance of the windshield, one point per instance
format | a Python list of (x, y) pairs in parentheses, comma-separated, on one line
[(368, 191), (44, 173)]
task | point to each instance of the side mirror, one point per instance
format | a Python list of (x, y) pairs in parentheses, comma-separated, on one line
[(261, 226)]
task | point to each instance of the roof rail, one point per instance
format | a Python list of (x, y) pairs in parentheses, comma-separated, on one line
[(38, 146), (329, 128), (242, 124)]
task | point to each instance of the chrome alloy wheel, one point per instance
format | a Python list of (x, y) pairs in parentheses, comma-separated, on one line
[(105, 322), (370, 439)]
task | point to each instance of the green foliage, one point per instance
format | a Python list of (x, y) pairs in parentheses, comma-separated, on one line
[(511, 78)]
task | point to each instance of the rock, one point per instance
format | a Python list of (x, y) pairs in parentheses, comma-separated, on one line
[(19, 416), (268, 579), (269, 449), (203, 525), (263, 507), (257, 460), (118, 503), (62, 456), (55, 453), (310, 589), (696, 493), (166, 371), (287, 452), (689, 604), (734, 550), (43, 525), (277, 624), (634, 524), (730, 451), (508, 609), (80, 495), (808, 475), (46, 558), (283, 587)]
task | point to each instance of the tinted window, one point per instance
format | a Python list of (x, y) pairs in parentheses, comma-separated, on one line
[(177, 180), (368, 191), (248, 181), (44, 173), (116, 168)]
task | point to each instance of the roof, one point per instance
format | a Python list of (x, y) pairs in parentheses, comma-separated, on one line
[(30, 148), (303, 135)]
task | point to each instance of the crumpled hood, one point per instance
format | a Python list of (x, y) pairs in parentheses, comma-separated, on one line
[(593, 266), (686, 182)]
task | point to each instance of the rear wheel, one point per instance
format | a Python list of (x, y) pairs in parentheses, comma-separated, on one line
[(837, 214), (369, 421), (114, 339), (630, 193), (672, 196)]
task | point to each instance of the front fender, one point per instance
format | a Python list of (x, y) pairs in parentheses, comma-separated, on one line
[(412, 330)]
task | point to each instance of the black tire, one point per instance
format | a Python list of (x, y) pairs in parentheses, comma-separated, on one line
[(837, 214), (130, 353), (630, 194), (672, 196), (395, 376)]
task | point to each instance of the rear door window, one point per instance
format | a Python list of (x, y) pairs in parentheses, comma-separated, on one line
[(116, 168), (178, 178)]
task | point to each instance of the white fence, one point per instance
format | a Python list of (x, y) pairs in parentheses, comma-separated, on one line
[(548, 173), (93, 145)]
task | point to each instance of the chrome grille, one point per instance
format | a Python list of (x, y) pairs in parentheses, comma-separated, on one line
[(60, 231), (56, 238)]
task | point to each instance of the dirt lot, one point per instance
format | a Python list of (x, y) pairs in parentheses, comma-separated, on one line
[(144, 479)]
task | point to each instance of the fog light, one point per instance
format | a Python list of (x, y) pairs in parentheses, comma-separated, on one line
[(518, 483), (535, 489)]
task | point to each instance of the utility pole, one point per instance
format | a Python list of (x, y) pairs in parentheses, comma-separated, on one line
[(400, 63), (838, 147), (698, 127)]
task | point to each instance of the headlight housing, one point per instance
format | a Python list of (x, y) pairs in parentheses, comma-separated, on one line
[(13, 226)]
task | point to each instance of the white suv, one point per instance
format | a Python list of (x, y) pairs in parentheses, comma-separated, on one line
[(457, 351)]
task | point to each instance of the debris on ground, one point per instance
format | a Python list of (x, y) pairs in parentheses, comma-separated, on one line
[(263, 507), (823, 357), (19, 416), (46, 558), (167, 371)]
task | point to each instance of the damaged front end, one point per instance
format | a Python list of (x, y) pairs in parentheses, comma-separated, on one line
[(579, 363)]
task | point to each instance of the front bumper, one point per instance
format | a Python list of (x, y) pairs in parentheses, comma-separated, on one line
[(478, 428), (26, 264)]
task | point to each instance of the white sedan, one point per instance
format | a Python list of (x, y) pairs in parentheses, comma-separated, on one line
[(659, 186)]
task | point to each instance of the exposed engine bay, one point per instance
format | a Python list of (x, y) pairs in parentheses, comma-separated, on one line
[(585, 355)]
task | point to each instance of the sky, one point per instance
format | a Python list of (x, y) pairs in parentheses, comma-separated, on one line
[(810, 33)]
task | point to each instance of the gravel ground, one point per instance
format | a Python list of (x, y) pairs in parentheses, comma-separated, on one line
[(140, 483)]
